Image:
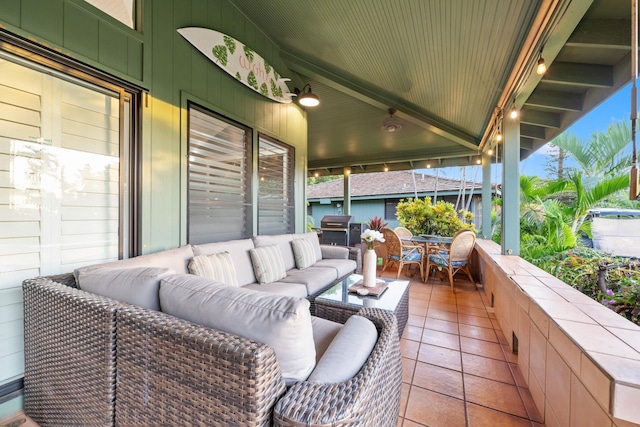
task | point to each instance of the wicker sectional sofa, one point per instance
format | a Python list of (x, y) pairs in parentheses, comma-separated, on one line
[(91, 360)]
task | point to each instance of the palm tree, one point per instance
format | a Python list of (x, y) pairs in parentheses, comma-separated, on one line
[(603, 164)]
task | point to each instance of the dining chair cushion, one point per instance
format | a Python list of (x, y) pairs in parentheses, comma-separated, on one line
[(408, 255), (217, 267), (443, 260), (282, 322), (303, 253), (268, 264)]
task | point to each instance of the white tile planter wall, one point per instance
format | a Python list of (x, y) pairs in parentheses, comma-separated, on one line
[(581, 360)]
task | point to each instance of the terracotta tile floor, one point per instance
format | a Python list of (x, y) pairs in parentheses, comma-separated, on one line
[(457, 367)]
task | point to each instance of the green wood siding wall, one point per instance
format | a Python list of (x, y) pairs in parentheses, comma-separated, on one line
[(159, 60)]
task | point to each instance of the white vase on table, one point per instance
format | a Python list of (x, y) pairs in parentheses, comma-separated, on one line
[(369, 268)]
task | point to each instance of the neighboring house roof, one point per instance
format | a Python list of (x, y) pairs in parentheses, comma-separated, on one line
[(398, 183)]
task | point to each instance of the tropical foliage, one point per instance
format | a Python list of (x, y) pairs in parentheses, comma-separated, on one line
[(420, 216), (554, 217)]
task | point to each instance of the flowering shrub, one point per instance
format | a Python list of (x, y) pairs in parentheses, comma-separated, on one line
[(420, 216), (372, 238)]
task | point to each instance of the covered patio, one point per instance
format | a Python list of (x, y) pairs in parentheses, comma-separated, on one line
[(402, 85)]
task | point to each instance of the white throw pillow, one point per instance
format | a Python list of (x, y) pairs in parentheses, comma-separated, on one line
[(303, 253), (268, 264), (137, 286), (282, 322), (218, 267)]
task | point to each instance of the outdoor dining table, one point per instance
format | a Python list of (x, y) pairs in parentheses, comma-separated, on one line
[(432, 244)]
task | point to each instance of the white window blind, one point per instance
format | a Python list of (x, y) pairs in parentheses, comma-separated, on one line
[(60, 180), (219, 179), (276, 209)]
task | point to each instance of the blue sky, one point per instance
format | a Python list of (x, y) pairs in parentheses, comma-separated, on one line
[(615, 108)]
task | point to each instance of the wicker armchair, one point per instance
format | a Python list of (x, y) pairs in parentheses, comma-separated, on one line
[(402, 254), (455, 258)]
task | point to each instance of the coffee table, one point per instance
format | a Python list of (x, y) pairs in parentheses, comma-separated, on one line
[(338, 304)]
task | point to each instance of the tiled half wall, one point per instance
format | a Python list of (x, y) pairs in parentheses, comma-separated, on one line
[(581, 360)]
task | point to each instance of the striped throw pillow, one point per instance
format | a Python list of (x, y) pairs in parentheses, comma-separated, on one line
[(303, 253), (268, 264), (217, 267)]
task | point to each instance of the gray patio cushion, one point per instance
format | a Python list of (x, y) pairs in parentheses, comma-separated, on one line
[(176, 259), (341, 266), (314, 278), (282, 322), (139, 286), (281, 288), (334, 252), (239, 251), (284, 243), (315, 242), (324, 331), (348, 351)]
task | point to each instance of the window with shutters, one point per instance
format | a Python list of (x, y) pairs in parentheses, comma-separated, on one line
[(219, 194), (276, 209), (64, 173)]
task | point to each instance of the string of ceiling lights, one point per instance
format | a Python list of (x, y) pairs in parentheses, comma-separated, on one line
[(555, 13)]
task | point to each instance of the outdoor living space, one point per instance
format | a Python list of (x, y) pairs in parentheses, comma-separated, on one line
[(458, 369)]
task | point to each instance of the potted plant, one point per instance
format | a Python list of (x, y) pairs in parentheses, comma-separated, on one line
[(377, 224)]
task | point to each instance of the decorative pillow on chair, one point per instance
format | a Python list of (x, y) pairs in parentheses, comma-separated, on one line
[(217, 267), (268, 264), (303, 252)]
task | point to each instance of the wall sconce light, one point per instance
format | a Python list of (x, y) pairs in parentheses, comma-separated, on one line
[(478, 161), (490, 151), (307, 99)]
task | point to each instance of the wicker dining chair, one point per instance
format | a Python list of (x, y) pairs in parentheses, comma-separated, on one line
[(455, 258), (403, 233), (402, 254)]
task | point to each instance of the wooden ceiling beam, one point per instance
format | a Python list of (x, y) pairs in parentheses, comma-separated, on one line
[(556, 100), (590, 75), (602, 33), (540, 118), (533, 132)]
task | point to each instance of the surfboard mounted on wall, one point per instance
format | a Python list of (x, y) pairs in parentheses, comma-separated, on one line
[(239, 61)]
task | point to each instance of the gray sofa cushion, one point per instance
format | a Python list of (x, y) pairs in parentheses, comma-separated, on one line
[(281, 288), (315, 242), (324, 331), (341, 266), (334, 252), (303, 253), (314, 278), (176, 259), (283, 323), (218, 267), (347, 352), (139, 286), (284, 243), (268, 265), (239, 251)]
